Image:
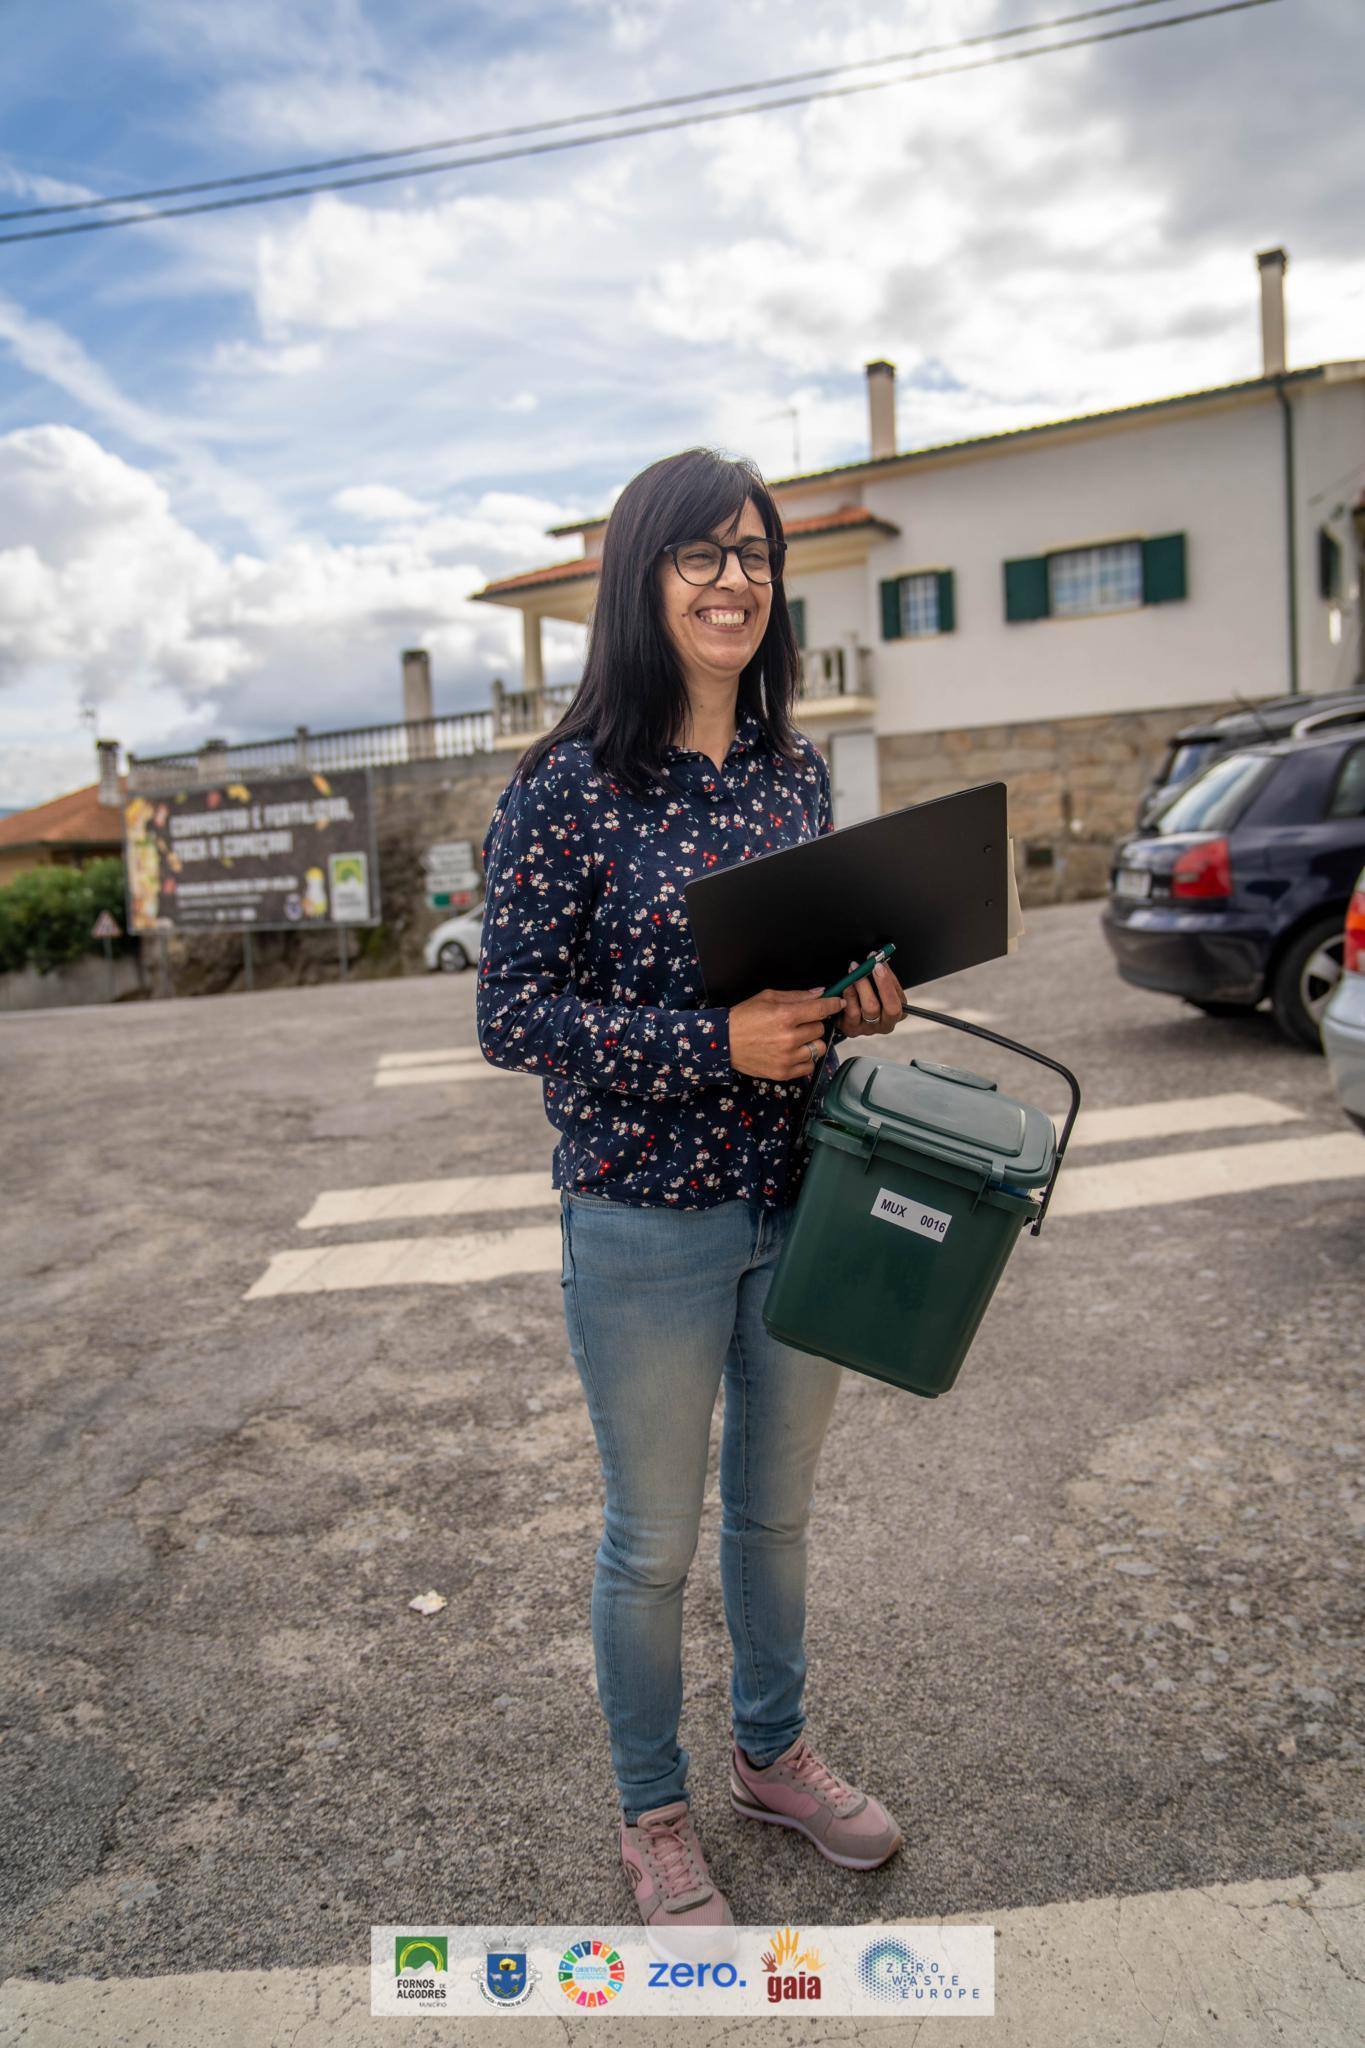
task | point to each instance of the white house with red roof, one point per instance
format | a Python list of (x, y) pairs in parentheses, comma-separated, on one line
[(1046, 604)]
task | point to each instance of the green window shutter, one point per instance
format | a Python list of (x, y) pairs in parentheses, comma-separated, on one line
[(796, 606), (1163, 568), (891, 609), (1026, 588), (947, 613)]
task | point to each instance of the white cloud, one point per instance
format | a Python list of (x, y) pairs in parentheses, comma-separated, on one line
[(378, 504), (108, 600)]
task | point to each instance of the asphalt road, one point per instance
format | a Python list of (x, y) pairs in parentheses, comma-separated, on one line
[(1089, 1625)]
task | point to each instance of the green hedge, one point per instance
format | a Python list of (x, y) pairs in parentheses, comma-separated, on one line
[(46, 915)]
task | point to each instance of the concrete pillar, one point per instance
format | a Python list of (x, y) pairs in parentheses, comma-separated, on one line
[(106, 753), (881, 408), (532, 663), (1272, 264), (417, 703)]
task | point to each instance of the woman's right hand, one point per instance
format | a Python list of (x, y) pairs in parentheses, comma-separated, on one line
[(772, 1033)]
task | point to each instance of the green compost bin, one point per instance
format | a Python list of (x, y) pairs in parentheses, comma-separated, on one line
[(919, 1180)]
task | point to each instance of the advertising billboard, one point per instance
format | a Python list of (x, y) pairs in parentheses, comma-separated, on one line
[(285, 853)]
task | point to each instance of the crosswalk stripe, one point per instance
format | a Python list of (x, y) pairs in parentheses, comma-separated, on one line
[(471, 1194), (468, 1194), (1195, 1176), (447, 1055), (412, 1262), (1178, 1118), (466, 1070), (493, 1253)]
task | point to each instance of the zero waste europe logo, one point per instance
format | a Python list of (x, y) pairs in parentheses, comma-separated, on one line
[(901, 1976)]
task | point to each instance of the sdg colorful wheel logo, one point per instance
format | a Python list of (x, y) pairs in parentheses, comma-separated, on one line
[(591, 1974)]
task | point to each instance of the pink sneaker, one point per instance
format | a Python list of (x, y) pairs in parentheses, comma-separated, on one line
[(686, 1918), (798, 1790)]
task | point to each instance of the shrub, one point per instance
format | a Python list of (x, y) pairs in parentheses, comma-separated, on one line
[(46, 915)]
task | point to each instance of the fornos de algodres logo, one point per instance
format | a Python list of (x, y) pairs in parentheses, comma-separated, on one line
[(420, 1967)]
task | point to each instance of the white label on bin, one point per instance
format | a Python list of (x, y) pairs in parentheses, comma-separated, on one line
[(894, 1208)]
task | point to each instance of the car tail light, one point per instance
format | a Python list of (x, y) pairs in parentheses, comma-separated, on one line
[(1203, 870), (1354, 958)]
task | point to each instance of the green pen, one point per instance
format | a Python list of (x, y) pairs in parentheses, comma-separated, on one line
[(883, 953)]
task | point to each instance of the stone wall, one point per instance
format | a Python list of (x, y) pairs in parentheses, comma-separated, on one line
[(1073, 785)]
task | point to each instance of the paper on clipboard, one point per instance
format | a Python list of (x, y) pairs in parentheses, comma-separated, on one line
[(1014, 925)]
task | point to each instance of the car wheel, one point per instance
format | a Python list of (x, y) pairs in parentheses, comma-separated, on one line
[(1309, 970), (452, 958), (1221, 1009)]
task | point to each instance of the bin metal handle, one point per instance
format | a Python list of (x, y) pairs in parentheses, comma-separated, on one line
[(1012, 1045)]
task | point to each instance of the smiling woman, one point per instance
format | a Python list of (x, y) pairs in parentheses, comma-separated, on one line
[(676, 1167)]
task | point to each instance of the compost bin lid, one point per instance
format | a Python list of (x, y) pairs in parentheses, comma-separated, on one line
[(948, 1111)]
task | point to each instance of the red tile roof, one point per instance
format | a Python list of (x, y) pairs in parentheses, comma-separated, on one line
[(77, 819), (584, 566)]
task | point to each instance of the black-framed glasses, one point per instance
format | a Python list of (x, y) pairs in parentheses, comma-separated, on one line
[(703, 561)]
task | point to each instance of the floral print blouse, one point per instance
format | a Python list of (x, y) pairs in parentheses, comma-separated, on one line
[(589, 978)]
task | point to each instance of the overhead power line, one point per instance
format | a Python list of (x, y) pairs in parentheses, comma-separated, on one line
[(567, 142), (680, 99)]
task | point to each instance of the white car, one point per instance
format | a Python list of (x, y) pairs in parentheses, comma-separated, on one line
[(454, 945)]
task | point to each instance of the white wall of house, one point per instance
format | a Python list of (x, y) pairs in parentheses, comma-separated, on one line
[(1216, 477), (836, 605)]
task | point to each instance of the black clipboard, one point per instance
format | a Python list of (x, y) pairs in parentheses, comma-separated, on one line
[(932, 877)]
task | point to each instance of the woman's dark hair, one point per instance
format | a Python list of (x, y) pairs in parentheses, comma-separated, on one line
[(632, 698)]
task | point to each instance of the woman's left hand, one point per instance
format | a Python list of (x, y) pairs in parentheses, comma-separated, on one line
[(873, 1006)]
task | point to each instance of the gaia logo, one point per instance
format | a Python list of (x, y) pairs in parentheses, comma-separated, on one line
[(420, 1963), (789, 1967), (506, 1977), (591, 1974)]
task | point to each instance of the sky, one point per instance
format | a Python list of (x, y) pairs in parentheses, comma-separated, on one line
[(248, 457)]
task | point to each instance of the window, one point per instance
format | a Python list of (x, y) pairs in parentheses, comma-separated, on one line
[(918, 605), (1329, 564), (1079, 582), (1216, 799), (1095, 579), (1348, 798), (796, 607)]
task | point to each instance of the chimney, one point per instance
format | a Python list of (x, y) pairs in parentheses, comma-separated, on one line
[(416, 685), (106, 753), (1272, 264), (881, 408)]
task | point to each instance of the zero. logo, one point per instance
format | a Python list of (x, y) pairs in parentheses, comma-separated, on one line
[(683, 1976)]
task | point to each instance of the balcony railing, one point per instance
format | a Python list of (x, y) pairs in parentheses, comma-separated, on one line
[(514, 714), (835, 672)]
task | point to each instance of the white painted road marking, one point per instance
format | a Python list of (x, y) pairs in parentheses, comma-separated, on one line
[(470, 1194), (448, 1055), (1195, 1176), (466, 1070), (412, 1262), (1178, 1118), (1081, 1191)]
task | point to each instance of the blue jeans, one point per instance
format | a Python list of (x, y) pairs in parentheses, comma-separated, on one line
[(659, 1304)]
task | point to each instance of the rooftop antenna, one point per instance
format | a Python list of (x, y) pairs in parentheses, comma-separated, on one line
[(794, 415)]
